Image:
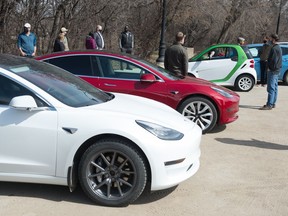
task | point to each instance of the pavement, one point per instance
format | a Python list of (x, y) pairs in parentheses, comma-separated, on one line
[(243, 172)]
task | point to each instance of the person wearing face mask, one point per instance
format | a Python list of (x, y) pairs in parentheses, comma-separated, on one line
[(26, 42), (126, 41), (263, 60), (99, 38)]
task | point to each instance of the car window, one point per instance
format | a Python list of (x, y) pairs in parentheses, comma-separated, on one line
[(219, 53), (117, 68), (254, 52), (64, 86), (79, 65), (247, 52), (284, 50), (10, 89)]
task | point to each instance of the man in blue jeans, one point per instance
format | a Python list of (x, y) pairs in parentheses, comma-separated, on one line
[(274, 67)]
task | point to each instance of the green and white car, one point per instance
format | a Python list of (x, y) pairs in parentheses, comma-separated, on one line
[(226, 65)]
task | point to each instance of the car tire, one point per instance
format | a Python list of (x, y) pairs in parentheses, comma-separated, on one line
[(244, 83), (201, 111), (112, 173)]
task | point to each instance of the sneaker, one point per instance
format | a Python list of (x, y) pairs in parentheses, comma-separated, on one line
[(265, 107)]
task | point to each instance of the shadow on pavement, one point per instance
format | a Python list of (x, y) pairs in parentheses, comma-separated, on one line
[(62, 194), (249, 106), (253, 143), (217, 129)]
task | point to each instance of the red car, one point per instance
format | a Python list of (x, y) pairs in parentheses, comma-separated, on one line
[(203, 102)]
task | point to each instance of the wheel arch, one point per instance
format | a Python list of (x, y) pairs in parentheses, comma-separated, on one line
[(245, 74), (73, 170), (203, 96)]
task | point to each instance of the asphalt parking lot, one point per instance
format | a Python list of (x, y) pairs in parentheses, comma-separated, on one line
[(243, 172)]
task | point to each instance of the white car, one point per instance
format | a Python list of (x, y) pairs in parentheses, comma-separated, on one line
[(58, 129), (226, 65)]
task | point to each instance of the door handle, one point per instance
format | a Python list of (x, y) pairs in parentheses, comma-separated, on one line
[(107, 84)]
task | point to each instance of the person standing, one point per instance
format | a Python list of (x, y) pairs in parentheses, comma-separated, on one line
[(65, 41), (26, 42), (58, 44), (90, 42), (176, 57), (99, 38), (126, 41), (263, 60), (274, 66)]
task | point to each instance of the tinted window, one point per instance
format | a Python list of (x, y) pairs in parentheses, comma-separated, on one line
[(63, 86), (78, 65), (10, 89)]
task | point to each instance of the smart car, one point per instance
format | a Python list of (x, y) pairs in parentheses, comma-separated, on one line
[(225, 64), (200, 101), (256, 49), (58, 129)]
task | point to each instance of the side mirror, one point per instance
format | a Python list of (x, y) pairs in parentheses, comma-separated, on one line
[(147, 78), (25, 102)]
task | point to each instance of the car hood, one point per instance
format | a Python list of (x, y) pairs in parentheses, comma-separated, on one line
[(198, 82), (140, 108)]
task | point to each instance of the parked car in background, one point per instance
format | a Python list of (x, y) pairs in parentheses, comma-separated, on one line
[(200, 101), (256, 49), (58, 129), (226, 65)]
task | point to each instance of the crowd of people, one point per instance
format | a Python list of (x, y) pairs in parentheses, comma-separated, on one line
[(26, 42), (176, 57)]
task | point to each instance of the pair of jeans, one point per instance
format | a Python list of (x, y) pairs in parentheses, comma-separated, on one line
[(272, 87)]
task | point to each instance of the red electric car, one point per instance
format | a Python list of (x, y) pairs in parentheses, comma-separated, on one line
[(201, 101)]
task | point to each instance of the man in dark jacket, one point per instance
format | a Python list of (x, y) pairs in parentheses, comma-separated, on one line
[(274, 67), (176, 57), (126, 41)]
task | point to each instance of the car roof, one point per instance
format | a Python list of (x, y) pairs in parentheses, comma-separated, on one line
[(261, 44)]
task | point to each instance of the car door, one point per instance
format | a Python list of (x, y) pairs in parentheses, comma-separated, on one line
[(124, 77), (214, 65), (28, 138)]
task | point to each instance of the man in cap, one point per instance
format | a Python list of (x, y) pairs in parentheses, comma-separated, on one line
[(241, 41), (64, 31), (26, 42), (99, 38)]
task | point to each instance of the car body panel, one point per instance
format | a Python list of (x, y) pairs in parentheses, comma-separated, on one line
[(123, 78), (255, 50), (228, 62)]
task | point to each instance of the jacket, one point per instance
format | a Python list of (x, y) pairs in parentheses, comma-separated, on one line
[(176, 59), (275, 59)]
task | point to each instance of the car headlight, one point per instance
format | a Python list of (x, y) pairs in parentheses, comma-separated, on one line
[(160, 131), (222, 92)]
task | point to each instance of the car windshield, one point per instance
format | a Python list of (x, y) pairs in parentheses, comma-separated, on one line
[(59, 83)]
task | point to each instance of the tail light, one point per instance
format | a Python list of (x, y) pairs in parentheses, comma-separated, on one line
[(252, 63)]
